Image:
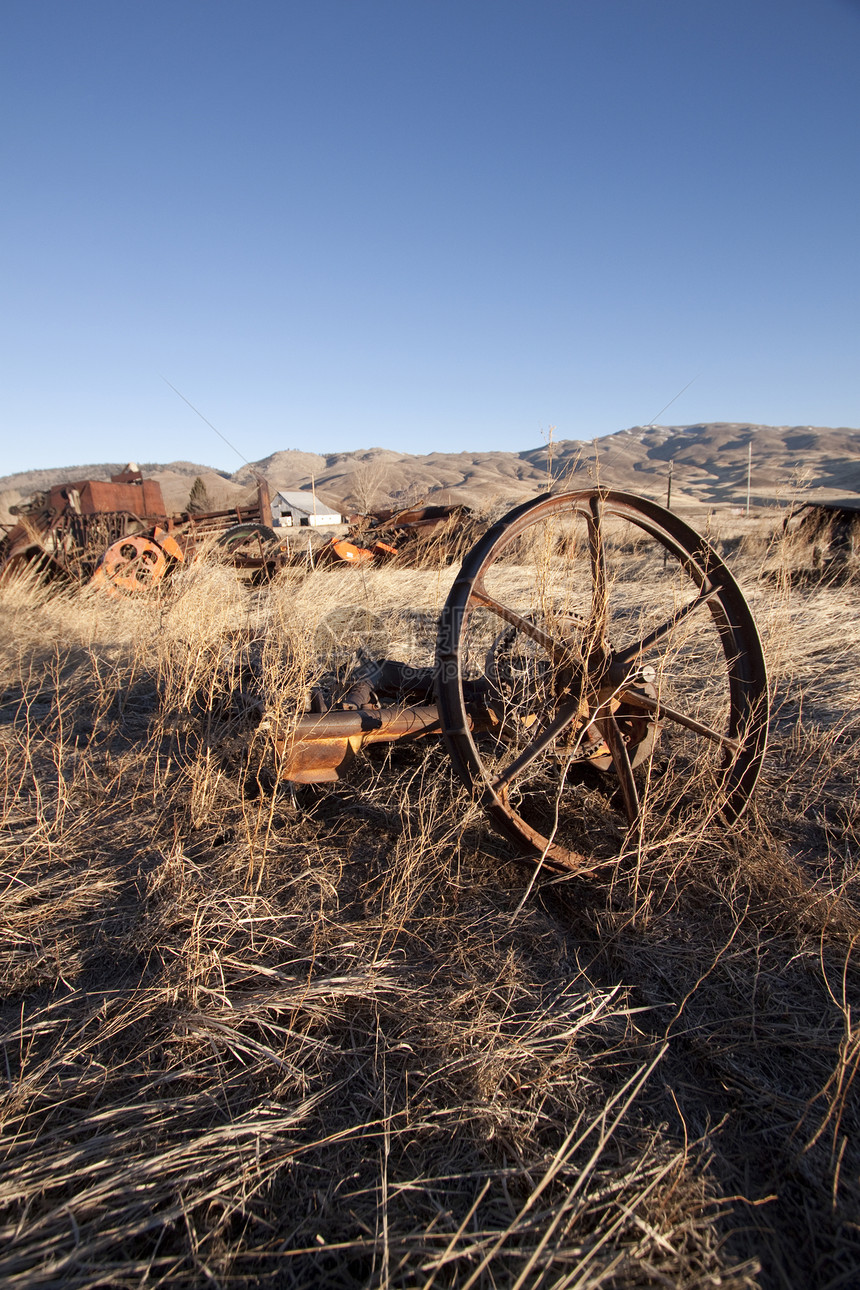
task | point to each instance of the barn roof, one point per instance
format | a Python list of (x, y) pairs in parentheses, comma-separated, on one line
[(304, 500)]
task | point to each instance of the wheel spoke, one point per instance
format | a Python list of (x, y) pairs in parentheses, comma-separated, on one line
[(661, 709), (608, 727), (562, 719), (525, 625), (599, 601), (627, 655)]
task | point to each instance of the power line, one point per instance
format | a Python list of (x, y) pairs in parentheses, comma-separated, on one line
[(231, 446), (671, 401)]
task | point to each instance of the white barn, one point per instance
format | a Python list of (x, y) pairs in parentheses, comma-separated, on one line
[(302, 507)]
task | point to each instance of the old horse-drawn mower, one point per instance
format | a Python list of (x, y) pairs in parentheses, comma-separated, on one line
[(599, 681)]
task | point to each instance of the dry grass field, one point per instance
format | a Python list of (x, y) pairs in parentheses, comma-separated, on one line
[(255, 1035)]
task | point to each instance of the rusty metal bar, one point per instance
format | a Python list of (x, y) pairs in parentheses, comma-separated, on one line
[(320, 745)]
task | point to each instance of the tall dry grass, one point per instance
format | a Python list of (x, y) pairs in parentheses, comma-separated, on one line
[(318, 1038)]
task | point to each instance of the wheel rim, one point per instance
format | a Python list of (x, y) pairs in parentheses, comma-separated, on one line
[(622, 672)]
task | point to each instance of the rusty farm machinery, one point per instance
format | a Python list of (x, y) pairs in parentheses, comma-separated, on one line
[(598, 678), (409, 535), (117, 534)]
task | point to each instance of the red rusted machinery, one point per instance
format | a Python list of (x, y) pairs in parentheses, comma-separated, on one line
[(118, 534), (599, 682), (64, 530), (243, 533)]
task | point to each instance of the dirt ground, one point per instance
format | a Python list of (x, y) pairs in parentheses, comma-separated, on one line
[(337, 1036)]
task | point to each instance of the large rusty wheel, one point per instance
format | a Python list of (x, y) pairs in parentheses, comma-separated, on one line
[(623, 672)]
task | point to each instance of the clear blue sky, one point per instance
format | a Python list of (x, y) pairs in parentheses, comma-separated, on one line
[(423, 224)]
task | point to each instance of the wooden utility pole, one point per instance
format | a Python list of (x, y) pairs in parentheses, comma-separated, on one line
[(749, 472)]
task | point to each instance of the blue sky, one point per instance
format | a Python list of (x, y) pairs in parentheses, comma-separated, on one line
[(422, 224)]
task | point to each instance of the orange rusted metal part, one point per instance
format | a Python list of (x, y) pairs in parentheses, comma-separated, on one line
[(349, 552), (128, 491), (134, 563), (321, 745), (339, 549), (168, 543), (142, 498)]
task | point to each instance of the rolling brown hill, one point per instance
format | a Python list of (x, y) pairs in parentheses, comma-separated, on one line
[(710, 469)]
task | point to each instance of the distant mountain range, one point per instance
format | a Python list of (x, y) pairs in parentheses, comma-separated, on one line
[(709, 466)]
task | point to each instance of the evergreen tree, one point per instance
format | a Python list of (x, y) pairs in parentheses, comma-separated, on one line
[(198, 499)]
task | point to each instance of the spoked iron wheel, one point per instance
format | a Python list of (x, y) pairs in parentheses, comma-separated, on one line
[(621, 670)]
